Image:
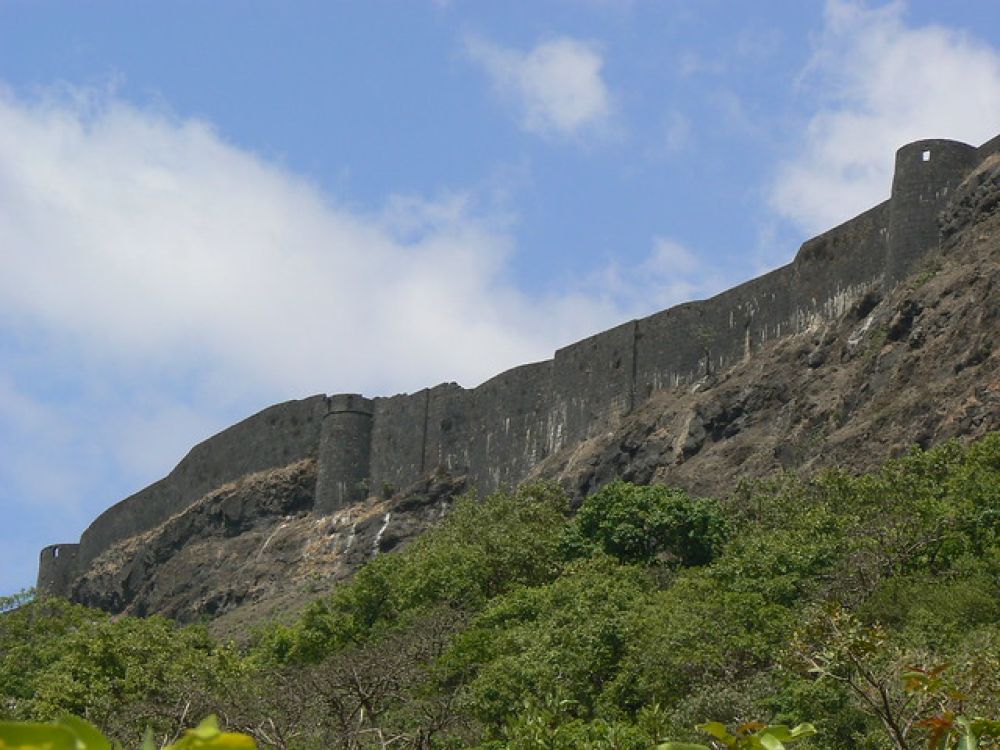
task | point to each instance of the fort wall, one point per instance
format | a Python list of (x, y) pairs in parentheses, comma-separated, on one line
[(398, 436), (988, 149), (926, 174), (57, 565), (496, 433), (344, 453), (277, 436)]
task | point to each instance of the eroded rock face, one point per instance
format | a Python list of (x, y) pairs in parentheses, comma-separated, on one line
[(208, 557), (976, 199), (916, 364), (254, 541)]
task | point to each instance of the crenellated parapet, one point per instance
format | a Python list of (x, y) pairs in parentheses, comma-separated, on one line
[(496, 433)]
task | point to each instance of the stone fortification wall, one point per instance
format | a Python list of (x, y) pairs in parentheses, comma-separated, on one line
[(989, 148), (398, 436), (491, 433), (977, 198), (592, 381), (828, 274), (277, 436), (496, 433), (344, 452), (57, 565), (926, 174)]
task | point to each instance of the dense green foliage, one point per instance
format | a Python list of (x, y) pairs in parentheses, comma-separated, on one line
[(638, 525), (73, 733), (58, 658), (519, 624)]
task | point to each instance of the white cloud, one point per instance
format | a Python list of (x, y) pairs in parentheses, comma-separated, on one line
[(881, 83), (556, 87), (152, 244), (670, 274)]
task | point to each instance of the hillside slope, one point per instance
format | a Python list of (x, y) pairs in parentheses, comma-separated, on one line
[(913, 365)]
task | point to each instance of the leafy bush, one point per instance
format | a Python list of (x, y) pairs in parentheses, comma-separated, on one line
[(642, 524), (59, 658), (71, 733), (565, 638), (750, 736)]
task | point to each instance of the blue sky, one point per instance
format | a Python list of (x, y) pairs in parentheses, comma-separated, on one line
[(206, 208)]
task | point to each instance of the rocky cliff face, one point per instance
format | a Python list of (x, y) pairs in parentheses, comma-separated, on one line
[(253, 548), (916, 364)]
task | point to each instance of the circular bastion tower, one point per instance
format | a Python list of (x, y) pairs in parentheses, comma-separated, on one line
[(344, 453), (927, 173), (57, 568)]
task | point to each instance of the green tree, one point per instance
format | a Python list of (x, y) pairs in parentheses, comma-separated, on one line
[(481, 549), (642, 524), (565, 638)]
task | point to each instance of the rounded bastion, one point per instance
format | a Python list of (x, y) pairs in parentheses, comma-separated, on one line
[(926, 173)]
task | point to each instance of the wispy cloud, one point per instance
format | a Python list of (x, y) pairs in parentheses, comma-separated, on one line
[(881, 83), (153, 244), (677, 134), (693, 63), (670, 273), (556, 88)]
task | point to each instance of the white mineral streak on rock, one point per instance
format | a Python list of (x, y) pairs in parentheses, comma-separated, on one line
[(268, 540), (859, 333), (350, 538), (381, 531)]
